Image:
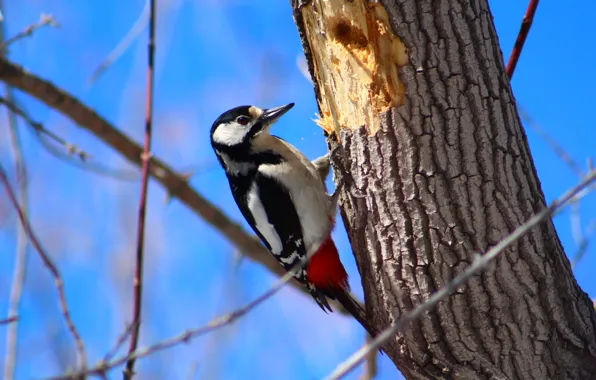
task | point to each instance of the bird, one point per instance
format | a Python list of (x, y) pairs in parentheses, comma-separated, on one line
[(283, 197)]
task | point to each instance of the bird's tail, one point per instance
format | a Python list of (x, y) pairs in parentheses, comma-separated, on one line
[(354, 307), (329, 277)]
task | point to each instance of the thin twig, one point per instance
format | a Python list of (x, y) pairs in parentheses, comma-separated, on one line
[(176, 185), (558, 149), (103, 367), (479, 263), (521, 37), (192, 371), (39, 128), (119, 342), (130, 36), (51, 267), (576, 227), (554, 145), (70, 150), (583, 244), (18, 274), (9, 320), (45, 20), (146, 157), (371, 367)]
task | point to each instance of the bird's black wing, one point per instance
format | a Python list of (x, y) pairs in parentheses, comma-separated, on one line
[(275, 202), (270, 211), (268, 208)]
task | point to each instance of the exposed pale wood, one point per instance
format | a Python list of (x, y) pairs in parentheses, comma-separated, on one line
[(445, 173)]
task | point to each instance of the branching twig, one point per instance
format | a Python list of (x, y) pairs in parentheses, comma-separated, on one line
[(479, 263), (83, 160), (583, 244), (51, 267), (45, 20), (18, 276), (576, 228), (177, 186), (39, 128), (554, 145), (9, 320), (371, 367), (103, 367), (146, 157), (521, 37), (559, 151), (132, 34), (119, 342)]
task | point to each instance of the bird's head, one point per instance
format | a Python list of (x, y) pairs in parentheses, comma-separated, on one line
[(239, 126)]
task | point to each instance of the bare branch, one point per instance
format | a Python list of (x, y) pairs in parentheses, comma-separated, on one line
[(583, 244), (119, 342), (132, 34), (39, 128), (84, 159), (521, 37), (18, 274), (581, 240), (51, 267), (103, 367), (176, 185), (45, 20), (146, 157), (555, 146), (371, 365), (480, 262)]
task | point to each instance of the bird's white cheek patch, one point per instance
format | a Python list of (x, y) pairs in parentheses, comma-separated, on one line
[(261, 221), (229, 134)]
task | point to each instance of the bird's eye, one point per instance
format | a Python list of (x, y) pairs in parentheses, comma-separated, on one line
[(242, 120)]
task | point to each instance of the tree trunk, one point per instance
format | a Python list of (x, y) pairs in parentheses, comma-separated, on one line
[(429, 133)]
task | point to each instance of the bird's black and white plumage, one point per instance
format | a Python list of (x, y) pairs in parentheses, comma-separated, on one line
[(282, 196), (272, 183)]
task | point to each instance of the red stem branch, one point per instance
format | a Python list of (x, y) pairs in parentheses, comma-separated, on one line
[(146, 157), (51, 267), (521, 37)]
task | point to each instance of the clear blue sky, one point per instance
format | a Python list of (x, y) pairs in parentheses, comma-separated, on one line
[(213, 55)]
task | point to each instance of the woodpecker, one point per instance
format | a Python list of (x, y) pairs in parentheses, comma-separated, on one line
[(283, 197)]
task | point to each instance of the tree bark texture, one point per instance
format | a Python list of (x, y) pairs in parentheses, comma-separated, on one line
[(437, 167)]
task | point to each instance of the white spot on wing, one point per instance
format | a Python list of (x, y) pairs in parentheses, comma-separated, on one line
[(290, 259), (230, 134), (261, 221)]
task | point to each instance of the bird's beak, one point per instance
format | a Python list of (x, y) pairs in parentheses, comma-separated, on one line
[(270, 116)]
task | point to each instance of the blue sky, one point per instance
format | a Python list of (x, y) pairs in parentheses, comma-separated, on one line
[(211, 56)]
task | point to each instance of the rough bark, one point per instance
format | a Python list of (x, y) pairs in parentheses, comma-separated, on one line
[(429, 133)]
